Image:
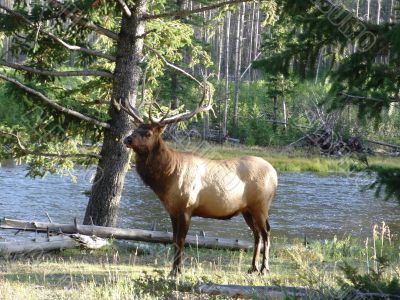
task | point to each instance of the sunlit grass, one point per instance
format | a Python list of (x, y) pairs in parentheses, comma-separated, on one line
[(289, 159), (122, 274)]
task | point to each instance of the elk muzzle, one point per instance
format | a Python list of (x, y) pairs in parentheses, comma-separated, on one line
[(128, 140)]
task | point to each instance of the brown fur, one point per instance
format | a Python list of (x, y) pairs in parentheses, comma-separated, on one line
[(189, 185)]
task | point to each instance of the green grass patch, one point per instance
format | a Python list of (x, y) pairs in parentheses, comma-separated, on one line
[(123, 274), (289, 159)]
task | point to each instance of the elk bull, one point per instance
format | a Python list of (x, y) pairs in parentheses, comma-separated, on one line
[(189, 185)]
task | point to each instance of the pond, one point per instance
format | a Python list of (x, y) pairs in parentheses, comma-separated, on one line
[(319, 206)]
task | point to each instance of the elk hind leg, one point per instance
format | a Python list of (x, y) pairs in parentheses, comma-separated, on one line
[(264, 228), (257, 245)]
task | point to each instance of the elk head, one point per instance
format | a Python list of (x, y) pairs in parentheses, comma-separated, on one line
[(144, 138)]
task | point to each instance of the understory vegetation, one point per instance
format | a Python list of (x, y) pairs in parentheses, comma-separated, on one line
[(330, 269)]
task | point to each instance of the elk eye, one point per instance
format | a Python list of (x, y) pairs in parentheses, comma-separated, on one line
[(147, 134)]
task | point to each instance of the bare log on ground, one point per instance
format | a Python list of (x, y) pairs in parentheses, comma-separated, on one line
[(396, 147), (50, 243), (124, 234), (256, 292), (281, 292)]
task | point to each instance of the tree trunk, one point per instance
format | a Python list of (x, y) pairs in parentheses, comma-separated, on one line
[(227, 51), (368, 9), (109, 180), (252, 20), (256, 40), (378, 13), (205, 34), (174, 76), (238, 57), (318, 66), (357, 8), (391, 5), (285, 118), (275, 116)]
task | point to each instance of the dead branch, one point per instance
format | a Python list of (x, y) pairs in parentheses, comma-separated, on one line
[(125, 8), (56, 73), (166, 62), (54, 104), (185, 13), (56, 38)]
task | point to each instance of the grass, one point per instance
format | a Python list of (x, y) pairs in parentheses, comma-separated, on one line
[(290, 159), (122, 274)]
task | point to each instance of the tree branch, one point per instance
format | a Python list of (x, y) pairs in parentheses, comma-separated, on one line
[(125, 7), (355, 97), (81, 21), (54, 104), (61, 155), (172, 65), (187, 12), (56, 73), (55, 38)]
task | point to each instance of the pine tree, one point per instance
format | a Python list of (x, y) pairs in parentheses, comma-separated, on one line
[(72, 62)]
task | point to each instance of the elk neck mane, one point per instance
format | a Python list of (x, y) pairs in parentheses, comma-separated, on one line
[(157, 167)]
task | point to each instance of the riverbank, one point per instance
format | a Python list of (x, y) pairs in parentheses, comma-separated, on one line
[(122, 273), (288, 159)]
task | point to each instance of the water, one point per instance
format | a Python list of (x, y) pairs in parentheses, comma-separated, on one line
[(315, 205)]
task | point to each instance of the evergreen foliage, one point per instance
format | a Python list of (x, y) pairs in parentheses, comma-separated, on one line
[(41, 129)]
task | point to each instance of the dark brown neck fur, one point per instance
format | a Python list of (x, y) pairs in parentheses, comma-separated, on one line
[(156, 167)]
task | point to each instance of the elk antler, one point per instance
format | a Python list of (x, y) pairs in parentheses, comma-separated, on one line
[(130, 110), (165, 120)]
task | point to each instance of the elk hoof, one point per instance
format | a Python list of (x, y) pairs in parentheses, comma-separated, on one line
[(264, 270), (175, 272), (253, 269)]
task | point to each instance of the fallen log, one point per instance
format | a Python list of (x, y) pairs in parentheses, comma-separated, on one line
[(282, 292), (397, 147), (50, 243), (256, 292), (124, 234)]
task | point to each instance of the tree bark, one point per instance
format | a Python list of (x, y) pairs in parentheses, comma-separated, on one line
[(110, 175)]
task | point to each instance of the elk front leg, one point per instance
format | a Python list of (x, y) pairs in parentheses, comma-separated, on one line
[(181, 227)]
